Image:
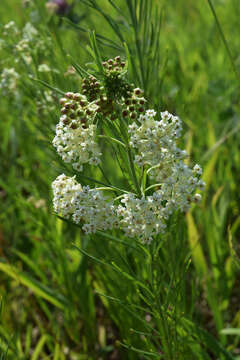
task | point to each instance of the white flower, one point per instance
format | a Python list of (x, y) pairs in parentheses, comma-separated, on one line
[(8, 82), (83, 205), (29, 32), (197, 197), (150, 113), (197, 169), (142, 218), (44, 68), (10, 29), (156, 148)]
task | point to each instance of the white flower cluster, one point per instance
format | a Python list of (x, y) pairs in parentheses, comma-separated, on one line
[(146, 217), (75, 138), (154, 142), (83, 204), (30, 40), (24, 41), (10, 29), (142, 218), (8, 83), (156, 149)]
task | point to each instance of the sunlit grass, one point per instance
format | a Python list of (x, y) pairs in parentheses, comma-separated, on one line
[(71, 296)]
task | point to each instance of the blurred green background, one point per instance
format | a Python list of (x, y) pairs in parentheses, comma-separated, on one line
[(49, 306)]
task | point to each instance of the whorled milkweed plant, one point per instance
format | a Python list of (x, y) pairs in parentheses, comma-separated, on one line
[(107, 135), (109, 108)]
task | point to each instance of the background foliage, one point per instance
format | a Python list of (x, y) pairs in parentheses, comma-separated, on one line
[(69, 296)]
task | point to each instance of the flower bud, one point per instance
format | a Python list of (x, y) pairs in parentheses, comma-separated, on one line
[(88, 112), (73, 125), (62, 101), (73, 106), (77, 96), (67, 105), (137, 91), (69, 95), (64, 110), (128, 102), (80, 113)]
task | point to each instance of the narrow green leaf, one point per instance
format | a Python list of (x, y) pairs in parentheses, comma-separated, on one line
[(39, 347), (34, 285), (195, 245), (49, 86), (230, 331)]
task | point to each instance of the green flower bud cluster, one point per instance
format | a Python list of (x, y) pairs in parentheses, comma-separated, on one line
[(115, 82), (76, 110), (91, 88), (134, 104), (113, 94)]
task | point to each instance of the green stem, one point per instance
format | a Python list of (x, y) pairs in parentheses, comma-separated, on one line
[(112, 139), (162, 323), (133, 172), (223, 38), (137, 41)]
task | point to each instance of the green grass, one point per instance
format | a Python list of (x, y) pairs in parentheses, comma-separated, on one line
[(66, 295)]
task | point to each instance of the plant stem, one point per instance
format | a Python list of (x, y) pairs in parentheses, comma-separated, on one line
[(133, 172), (223, 38)]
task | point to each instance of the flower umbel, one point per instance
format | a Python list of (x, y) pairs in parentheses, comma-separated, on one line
[(83, 205), (150, 143), (76, 133)]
